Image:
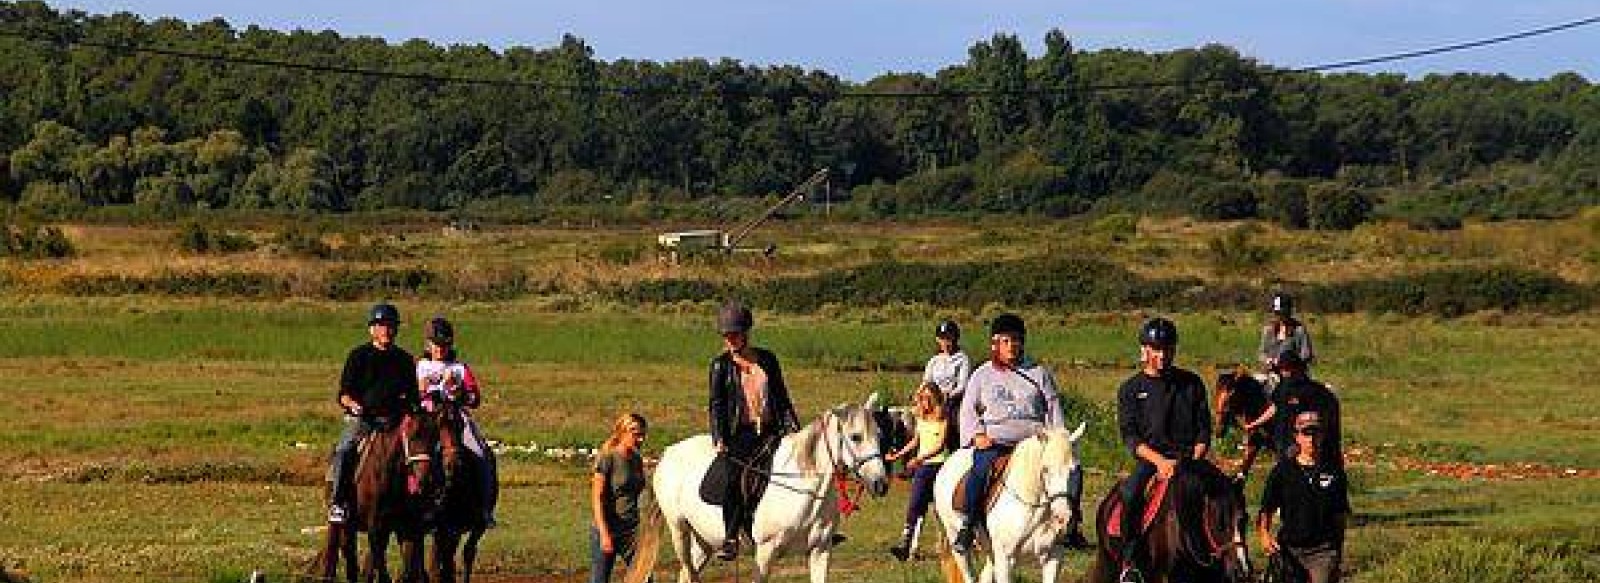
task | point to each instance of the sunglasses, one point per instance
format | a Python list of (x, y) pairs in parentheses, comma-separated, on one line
[(1311, 432)]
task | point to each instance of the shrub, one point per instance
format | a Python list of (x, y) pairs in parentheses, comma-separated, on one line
[(1118, 227), (1454, 292), (1284, 202), (355, 284), (1223, 201), (195, 237), (35, 242), (49, 199), (1331, 207), (1234, 253), (183, 284), (302, 242)]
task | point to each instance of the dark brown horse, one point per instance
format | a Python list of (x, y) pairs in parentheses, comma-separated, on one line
[(1240, 399), (392, 479), (1197, 536), (462, 515)]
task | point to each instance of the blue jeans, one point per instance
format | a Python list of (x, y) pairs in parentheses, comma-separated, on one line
[(344, 454), (600, 563), (978, 479), (921, 493), (1133, 507)]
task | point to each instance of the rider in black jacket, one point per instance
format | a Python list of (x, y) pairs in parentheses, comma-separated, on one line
[(750, 411), (1163, 418)]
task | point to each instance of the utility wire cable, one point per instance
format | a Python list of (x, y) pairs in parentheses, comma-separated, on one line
[(729, 92)]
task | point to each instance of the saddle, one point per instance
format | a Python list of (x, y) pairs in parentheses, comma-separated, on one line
[(1155, 496), (714, 488), (997, 474)]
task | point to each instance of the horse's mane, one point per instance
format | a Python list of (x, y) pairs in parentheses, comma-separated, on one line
[(1028, 459), (805, 442)]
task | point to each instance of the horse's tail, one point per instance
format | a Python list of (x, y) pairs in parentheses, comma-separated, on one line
[(647, 544)]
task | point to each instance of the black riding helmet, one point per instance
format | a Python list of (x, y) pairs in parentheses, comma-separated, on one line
[(947, 328), (735, 317), (439, 331), (1283, 304), (1008, 323), (1159, 332), (383, 312)]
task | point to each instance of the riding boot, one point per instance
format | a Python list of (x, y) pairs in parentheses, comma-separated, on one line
[(964, 537), (902, 551)]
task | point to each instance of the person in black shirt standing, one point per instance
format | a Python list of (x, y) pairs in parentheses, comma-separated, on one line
[(1163, 417), (378, 385), (749, 411), (1298, 393), (1312, 495)]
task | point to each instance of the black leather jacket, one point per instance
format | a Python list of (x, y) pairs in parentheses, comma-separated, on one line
[(727, 399)]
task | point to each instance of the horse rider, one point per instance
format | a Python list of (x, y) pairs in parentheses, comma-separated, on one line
[(750, 411), (1008, 399), (1298, 393), (1283, 334), (444, 381), (377, 386), (948, 369), (1163, 417)]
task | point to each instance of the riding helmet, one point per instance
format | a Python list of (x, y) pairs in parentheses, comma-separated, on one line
[(1159, 332), (947, 328), (1283, 304), (383, 312), (439, 331), (1008, 323), (735, 317)]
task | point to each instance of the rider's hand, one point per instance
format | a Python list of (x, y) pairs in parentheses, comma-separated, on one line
[(982, 441), (1165, 468), (1269, 543), (913, 464)]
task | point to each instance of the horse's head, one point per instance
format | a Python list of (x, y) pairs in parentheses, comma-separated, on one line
[(419, 434), (1062, 473), (896, 425), (858, 440)]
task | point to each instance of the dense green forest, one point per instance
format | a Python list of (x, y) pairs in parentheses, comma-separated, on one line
[(85, 128)]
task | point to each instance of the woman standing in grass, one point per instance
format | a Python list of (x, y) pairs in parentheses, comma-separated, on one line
[(929, 443), (443, 381), (614, 494)]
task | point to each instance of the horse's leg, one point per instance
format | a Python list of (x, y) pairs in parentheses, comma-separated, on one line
[(377, 570), (469, 554), (765, 553), (818, 562), (347, 550), (441, 569), (687, 550), (1050, 567)]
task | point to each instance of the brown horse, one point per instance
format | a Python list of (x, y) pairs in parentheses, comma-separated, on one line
[(1198, 534), (392, 479), (1240, 399), (463, 510)]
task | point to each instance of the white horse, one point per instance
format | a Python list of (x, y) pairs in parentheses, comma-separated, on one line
[(798, 511), (1041, 489)]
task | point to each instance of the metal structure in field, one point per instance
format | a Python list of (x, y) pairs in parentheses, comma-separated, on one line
[(679, 244)]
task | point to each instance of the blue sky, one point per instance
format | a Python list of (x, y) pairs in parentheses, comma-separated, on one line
[(859, 39)]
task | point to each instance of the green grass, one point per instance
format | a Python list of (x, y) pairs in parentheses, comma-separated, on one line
[(153, 438)]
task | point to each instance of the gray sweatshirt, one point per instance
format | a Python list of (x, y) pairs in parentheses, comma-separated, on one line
[(1016, 403)]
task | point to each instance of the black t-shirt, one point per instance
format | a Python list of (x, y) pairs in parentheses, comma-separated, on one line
[(1169, 412), (384, 382), (1309, 500)]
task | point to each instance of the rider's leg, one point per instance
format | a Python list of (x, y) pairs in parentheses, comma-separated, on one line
[(742, 447), (1133, 510), (977, 483), (343, 459), (488, 473)]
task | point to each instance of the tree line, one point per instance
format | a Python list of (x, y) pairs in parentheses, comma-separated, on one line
[(1211, 132)]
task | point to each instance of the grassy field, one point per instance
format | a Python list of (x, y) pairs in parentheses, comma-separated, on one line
[(160, 439)]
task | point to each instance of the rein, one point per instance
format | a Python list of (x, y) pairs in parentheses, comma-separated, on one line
[(840, 473)]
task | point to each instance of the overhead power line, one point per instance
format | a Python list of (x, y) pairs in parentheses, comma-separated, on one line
[(727, 92)]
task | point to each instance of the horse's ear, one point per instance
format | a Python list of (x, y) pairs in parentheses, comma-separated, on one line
[(872, 401), (1078, 433)]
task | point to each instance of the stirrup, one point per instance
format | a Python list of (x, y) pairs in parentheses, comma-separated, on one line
[(1130, 574), (963, 543), (729, 550), (336, 514)]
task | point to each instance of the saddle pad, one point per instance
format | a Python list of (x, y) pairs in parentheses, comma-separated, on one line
[(997, 473), (1155, 494), (714, 488)]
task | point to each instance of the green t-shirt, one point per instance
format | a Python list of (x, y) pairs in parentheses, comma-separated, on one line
[(624, 476)]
